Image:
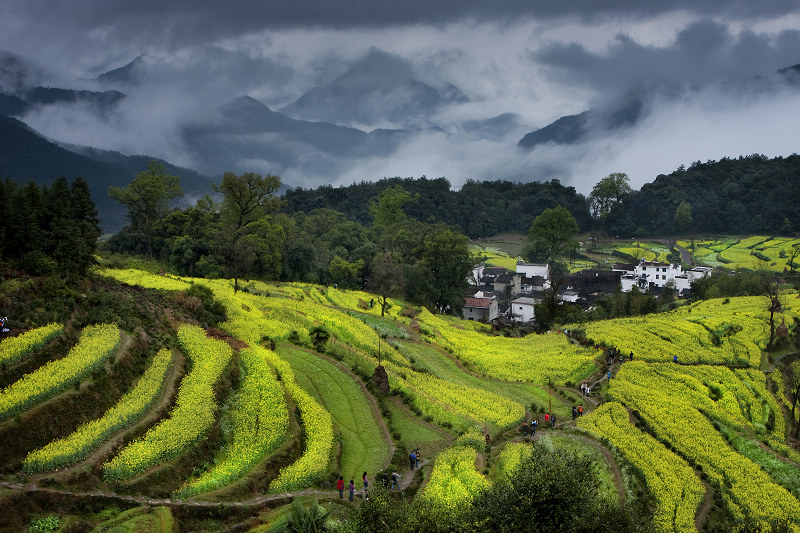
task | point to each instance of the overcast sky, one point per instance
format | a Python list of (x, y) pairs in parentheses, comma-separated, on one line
[(537, 58)]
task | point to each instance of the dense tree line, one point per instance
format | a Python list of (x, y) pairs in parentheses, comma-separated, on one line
[(478, 209), (48, 230), (746, 195), (248, 234)]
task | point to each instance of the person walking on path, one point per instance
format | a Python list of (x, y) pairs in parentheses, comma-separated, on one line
[(553, 421), (365, 480), (574, 412), (631, 357), (534, 425), (416, 458), (395, 480), (352, 488), (580, 409), (340, 487), (412, 460)]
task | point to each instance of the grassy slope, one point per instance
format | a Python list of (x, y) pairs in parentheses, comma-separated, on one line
[(435, 362), (363, 445)]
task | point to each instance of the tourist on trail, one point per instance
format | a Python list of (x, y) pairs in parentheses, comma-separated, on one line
[(674, 358), (524, 429), (546, 418), (395, 480), (609, 376), (488, 440), (631, 356), (553, 420), (352, 488), (412, 460), (574, 412), (417, 457), (580, 410), (365, 480), (534, 425), (340, 486)]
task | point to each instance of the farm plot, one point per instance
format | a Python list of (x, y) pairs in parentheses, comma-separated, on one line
[(364, 446)]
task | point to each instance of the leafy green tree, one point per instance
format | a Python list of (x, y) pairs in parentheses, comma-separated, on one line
[(551, 490), (386, 279), (552, 234), (445, 264), (247, 238), (344, 273), (147, 199), (608, 192), (248, 197), (791, 254), (387, 209), (682, 220)]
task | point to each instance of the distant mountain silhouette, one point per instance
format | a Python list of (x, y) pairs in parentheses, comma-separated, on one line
[(573, 129), (628, 110), (380, 88), (125, 75), (246, 129), (27, 156)]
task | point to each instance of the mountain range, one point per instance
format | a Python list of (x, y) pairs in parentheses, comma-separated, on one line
[(321, 133)]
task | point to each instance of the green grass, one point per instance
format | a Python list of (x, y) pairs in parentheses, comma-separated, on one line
[(581, 448), (785, 474), (386, 327), (414, 433), (431, 360), (140, 520), (363, 444)]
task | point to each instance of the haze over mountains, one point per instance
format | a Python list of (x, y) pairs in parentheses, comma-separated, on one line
[(380, 113)]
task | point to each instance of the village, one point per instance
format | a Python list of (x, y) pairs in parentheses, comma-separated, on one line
[(499, 294)]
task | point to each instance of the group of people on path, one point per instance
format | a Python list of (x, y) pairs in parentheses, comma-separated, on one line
[(352, 487), (413, 462), (577, 410), (532, 428)]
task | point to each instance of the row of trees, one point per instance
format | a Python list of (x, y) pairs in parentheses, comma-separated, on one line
[(48, 230), (248, 234), (745, 195)]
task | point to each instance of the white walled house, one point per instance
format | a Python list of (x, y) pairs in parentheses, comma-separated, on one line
[(534, 270), (659, 274), (521, 309)]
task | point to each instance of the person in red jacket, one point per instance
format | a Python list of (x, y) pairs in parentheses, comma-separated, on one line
[(340, 487)]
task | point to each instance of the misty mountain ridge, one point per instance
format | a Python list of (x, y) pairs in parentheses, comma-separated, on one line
[(380, 88), (629, 110), (17, 73), (125, 75), (25, 155), (245, 129)]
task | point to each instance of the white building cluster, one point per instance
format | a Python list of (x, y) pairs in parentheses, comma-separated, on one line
[(659, 275)]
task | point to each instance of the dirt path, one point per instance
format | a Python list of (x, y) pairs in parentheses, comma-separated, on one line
[(701, 517)]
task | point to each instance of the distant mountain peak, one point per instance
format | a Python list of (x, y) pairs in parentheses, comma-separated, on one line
[(379, 89), (126, 75)]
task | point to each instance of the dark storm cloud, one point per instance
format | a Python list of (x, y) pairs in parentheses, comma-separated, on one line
[(703, 51), (180, 22)]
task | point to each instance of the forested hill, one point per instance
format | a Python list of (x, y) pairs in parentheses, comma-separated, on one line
[(746, 195), (480, 208)]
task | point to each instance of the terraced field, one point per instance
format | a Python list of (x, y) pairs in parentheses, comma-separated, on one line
[(708, 433)]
